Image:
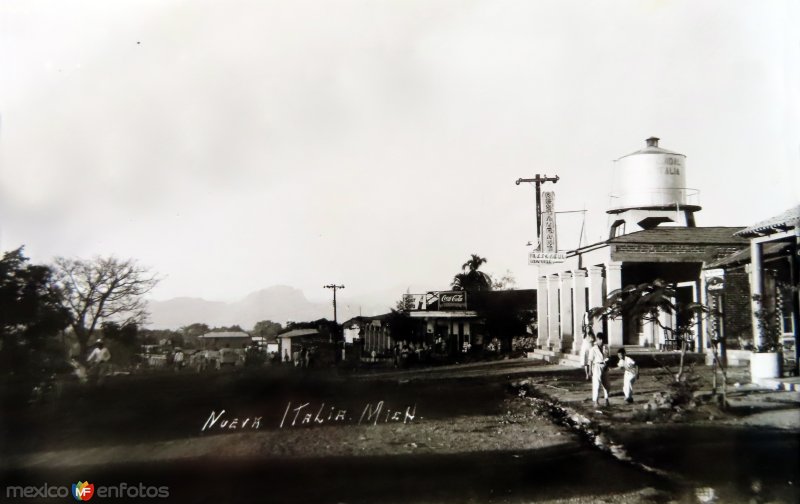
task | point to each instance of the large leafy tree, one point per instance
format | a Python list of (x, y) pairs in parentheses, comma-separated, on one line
[(31, 316), (104, 289), (267, 328), (471, 278)]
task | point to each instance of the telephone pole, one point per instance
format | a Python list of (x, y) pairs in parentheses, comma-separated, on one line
[(335, 320), (538, 181)]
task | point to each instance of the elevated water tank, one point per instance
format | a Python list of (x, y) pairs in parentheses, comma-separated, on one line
[(649, 188), (651, 178)]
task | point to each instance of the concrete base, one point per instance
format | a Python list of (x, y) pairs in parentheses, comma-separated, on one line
[(765, 366)]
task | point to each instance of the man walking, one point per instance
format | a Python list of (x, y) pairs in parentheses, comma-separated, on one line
[(98, 362), (598, 361), (631, 374)]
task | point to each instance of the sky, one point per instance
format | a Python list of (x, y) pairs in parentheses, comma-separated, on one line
[(232, 146)]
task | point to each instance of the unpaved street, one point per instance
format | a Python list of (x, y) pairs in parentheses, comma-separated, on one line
[(455, 434)]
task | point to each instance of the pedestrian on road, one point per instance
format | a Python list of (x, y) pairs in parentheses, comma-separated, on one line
[(586, 347), (598, 360), (98, 362), (631, 374), (178, 359)]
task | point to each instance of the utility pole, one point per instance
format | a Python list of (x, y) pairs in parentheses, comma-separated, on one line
[(335, 320), (538, 181)]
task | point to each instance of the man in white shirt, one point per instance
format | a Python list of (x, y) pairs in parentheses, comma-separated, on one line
[(178, 359), (598, 360), (98, 362), (631, 374)]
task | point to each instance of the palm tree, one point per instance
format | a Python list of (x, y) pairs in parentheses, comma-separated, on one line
[(470, 278)]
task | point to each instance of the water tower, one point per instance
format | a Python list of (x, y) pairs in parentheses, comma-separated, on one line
[(649, 189)]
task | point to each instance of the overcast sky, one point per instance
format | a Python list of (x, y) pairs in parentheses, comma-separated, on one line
[(232, 146)]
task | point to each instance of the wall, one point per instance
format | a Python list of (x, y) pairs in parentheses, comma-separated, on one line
[(670, 252)]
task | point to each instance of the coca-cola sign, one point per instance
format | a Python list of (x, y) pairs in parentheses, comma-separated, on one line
[(452, 300)]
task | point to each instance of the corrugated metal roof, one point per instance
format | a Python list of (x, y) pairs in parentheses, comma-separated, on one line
[(782, 222), (687, 235)]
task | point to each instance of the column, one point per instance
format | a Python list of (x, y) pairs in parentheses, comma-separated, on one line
[(541, 312), (613, 282), (566, 311), (579, 307), (596, 298), (553, 342), (699, 324), (756, 287), (704, 343)]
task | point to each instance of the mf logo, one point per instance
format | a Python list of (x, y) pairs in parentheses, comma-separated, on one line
[(82, 490)]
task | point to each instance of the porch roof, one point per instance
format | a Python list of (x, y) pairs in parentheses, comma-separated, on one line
[(782, 222)]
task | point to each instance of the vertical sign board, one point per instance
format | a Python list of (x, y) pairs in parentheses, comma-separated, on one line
[(548, 241)]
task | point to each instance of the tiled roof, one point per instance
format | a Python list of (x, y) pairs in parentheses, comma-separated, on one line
[(787, 220), (693, 235)]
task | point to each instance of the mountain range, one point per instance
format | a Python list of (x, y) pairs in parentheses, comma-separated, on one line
[(279, 303)]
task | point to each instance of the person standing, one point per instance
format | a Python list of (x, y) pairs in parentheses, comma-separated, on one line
[(598, 360), (630, 376), (98, 362), (178, 359), (586, 347)]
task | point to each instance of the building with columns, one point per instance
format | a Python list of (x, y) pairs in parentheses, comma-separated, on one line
[(676, 255), (652, 234)]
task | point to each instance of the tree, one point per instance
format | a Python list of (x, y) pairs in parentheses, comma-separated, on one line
[(191, 334), (405, 303), (401, 325), (31, 316), (647, 302), (470, 278), (506, 282), (267, 328), (103, 290)]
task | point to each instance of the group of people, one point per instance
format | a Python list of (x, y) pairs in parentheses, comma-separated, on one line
[(595, 359), (404, 353)]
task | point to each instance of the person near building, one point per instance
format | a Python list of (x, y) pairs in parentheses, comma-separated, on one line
[(178, 359), (586, 347), (304, 357), (630, 376), (598, 360), (98, 361)]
